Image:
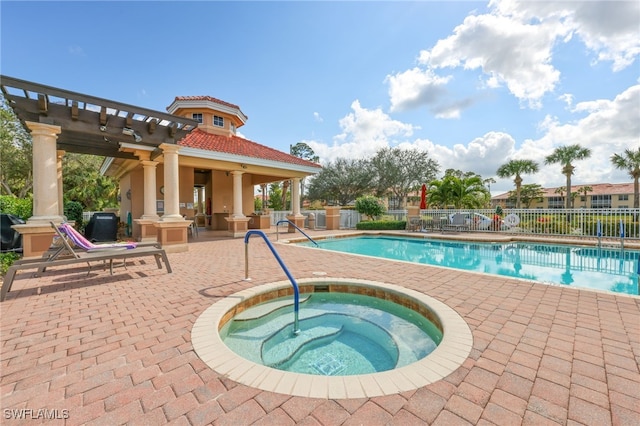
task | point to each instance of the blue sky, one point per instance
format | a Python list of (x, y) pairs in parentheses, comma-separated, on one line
[(474, 83)]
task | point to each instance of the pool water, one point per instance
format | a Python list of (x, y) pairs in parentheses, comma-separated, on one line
[(608, 269), (340, 334)]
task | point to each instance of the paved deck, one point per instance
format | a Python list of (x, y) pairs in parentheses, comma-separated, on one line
[(116, 349)]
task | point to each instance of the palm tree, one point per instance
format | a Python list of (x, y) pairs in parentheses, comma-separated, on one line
[(583, 190), (630, 161), (517, 168), (560, 190), (565, 155)]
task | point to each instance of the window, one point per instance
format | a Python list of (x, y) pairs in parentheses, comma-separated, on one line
[(197, 117), (601, 201), (218, 121), (623, 197), (232, 127), (556, 202)]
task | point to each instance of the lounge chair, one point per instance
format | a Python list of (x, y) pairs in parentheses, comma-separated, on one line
[(68, 238), (87, 253), (458, 223)]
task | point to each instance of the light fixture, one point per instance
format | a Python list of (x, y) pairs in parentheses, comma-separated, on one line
[(244, 166), (129, 131)]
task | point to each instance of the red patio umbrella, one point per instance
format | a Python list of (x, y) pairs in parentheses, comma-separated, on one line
[(423, 197)]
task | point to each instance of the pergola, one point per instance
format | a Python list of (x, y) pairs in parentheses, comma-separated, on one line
[(92, 125), (63, 121)]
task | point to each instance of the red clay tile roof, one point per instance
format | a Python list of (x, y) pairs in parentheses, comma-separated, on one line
[(598, 189), (238, 146), (206, 98)]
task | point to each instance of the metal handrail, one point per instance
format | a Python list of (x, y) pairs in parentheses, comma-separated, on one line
[(295, 226), (296, 291)]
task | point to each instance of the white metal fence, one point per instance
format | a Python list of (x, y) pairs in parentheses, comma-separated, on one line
[(586, 223)]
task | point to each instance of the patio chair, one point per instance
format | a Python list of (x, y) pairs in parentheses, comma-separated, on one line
[(458, 223), (84, 252), (414, 223)]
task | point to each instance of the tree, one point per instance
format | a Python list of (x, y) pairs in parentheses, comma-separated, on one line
[(630, 161), (528, 194), (275, 197), (566, 155), (397, 172), (584, 190), (82, 182), (285, 193), (465, 192), (561, 190), (16, 164), (516, 168), (304, 151), (342, 181), (370, 206)]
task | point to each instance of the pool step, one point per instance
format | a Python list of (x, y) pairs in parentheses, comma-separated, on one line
[(266, 308), (286, 350)]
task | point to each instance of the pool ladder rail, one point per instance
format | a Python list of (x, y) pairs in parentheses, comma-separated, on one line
[(296, 291), (296, 227)]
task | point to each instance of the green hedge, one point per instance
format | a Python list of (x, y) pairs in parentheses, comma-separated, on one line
[(6, 259), (381, 225), (21, 207)]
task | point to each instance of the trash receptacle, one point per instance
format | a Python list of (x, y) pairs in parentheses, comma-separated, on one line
[(11, 239), (102, 227)]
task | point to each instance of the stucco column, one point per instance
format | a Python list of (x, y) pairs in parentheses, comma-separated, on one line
[(237, 194), (60, 154), (295, 217), (46, 207), (149, 170), (295, 196), (200, 200), (171, 183)]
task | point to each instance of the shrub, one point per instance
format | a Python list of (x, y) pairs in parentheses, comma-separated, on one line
[(6, 259), (21, 207), (382, 225), (369, 206), (73, 212)]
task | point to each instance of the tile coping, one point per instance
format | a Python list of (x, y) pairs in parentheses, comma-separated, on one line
[(453, 350), (476, 238)]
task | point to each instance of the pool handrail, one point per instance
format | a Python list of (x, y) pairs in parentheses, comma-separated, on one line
[(296, 291), (295, 226)]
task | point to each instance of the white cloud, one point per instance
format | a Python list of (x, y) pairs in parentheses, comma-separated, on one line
[(607, 28), (506, 50), (483, 155), (567, 98), (317, 117), (364, 132), (415, 87), (611, 126), (513, 45)]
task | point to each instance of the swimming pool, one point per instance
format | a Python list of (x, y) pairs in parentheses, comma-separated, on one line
[(607, 269)]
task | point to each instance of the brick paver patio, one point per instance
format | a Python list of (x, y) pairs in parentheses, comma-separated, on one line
[(116, 349)]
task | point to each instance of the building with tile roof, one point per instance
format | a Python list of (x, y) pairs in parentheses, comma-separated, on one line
[(216, 164), (600, 196)]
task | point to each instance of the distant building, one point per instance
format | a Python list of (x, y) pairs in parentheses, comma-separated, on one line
[(602, 196)]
